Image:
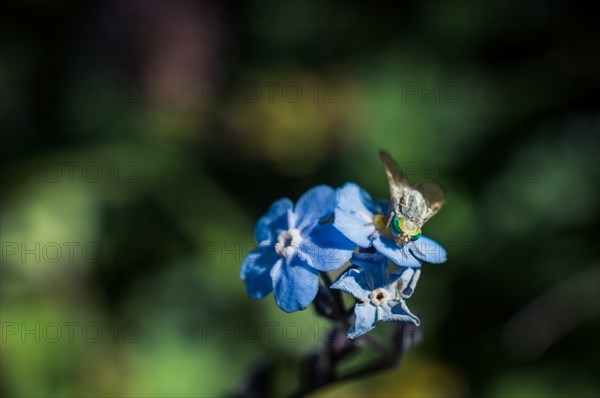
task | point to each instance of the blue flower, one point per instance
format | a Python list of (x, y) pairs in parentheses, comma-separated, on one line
[(294, 244), (380, 295), (363, 221), (406, 277)]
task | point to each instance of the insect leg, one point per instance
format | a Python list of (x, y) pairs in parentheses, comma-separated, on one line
[(417, 249), (389, 221)]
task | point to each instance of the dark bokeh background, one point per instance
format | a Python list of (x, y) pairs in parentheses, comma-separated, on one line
[(141, 141)]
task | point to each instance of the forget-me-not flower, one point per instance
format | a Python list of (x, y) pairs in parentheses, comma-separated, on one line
[(364, 222), (380, 295), (407, 277), (294, 244)]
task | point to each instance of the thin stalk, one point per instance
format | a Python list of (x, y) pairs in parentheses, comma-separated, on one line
[(339, 308)]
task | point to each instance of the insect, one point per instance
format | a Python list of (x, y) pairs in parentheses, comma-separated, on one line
[(409, 207)]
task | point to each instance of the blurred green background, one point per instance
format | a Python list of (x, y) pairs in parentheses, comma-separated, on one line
[(141, 141)]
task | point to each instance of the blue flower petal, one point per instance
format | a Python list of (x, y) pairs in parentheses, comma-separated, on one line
[(274, 221), (367, 260), (375, 275), (295, 284), (354, 283), (354, 214), (325, 248), (384, 311), (315, 205), (428, 250), (256, 270), (364, 320), (373, 266), (388, 247), (400, 313), (382, 206), (407, 280)]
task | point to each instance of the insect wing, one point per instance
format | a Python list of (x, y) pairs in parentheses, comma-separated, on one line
[(397, 180), (395, 175), (434, 196)]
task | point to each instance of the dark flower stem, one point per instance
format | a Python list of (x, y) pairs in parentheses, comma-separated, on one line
[(403, 339), (376, 344), (339, 310), (320, 368)]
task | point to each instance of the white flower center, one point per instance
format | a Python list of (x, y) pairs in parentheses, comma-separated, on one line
[(379, 296), (288, 243)]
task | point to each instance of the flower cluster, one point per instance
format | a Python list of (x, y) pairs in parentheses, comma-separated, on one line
[(323, 232)]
